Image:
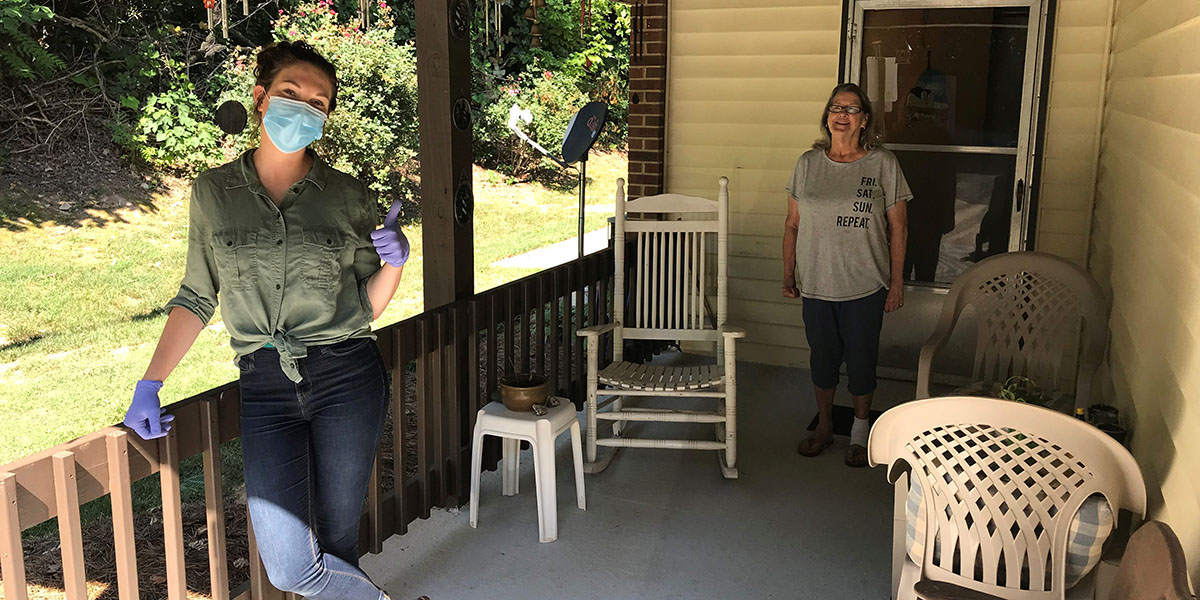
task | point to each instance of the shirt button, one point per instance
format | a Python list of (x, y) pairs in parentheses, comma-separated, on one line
[(278, 242), (277, 286)]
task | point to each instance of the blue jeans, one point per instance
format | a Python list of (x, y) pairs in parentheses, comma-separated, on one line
[(308, 449)]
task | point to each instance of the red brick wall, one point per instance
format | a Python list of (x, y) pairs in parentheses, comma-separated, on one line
[(647, 103)]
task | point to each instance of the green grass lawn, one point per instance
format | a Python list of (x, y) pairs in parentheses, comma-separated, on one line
[(80, 307)]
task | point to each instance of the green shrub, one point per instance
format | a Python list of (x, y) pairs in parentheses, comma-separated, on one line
[(591, 67), (553, 100), (373, 131), (175, 130)]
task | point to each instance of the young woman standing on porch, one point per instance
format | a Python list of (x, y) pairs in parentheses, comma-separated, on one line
[(843, 253), (292, 247)]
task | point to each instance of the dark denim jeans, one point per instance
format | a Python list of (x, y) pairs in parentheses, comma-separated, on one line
[(308, 449)]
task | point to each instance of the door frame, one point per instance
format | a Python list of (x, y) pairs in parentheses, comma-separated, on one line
[(1029, 136)]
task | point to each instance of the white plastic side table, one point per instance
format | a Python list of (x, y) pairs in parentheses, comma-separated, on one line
[(541, 432)]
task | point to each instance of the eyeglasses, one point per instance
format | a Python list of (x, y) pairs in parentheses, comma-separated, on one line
[(838, 108)]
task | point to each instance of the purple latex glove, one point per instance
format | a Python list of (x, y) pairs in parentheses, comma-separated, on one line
[(145, 416), (390, 241)]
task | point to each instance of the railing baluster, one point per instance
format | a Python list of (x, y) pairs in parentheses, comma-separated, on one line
[(526, 345), (214, 499), (510, 307), (454, 385), (473, 362), (437, 405), (403, 351), (557, 327), (422, 393), (70, 538), (593, 279), (493, 346), (172, 513), (375, 505), (117, 447), (12, 556), (539, 328)]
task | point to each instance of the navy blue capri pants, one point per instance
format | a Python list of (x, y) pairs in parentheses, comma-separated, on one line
[(845, 331)]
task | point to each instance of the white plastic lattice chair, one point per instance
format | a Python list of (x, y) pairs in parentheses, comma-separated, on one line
[(540, 431), (667, 301), (1039, 316), (1003, 483)]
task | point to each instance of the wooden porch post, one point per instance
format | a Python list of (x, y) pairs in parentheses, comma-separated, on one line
[(444, 111)]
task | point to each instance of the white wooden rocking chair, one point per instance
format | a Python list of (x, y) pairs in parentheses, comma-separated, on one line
[(668, 303)]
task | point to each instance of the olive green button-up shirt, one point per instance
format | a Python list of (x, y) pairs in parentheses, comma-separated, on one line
[(290, 276)]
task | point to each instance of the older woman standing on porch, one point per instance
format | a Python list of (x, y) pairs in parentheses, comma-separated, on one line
[(292, 247), (843, 253)]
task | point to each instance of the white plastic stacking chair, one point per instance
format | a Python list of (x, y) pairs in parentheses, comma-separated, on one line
[(1038, 315), (1002, 482), (540, 431), (673, 238)]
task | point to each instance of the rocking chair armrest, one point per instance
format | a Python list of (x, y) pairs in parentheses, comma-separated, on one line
[(732, 331), (597, 330), (940, 590)]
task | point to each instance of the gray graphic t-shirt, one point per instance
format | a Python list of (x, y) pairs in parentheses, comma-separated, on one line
[(842, 248)]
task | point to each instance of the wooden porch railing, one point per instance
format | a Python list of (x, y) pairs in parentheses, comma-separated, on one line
[(444, 365)]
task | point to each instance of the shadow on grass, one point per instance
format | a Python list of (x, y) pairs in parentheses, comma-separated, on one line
[(150, 315), (71, 190)]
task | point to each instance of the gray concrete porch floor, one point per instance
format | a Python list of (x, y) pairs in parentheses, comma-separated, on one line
[(665, 524)]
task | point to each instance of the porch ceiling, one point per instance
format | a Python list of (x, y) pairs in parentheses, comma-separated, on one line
[(664, 524)]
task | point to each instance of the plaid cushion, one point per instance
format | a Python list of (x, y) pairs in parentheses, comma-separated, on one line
[(1085, 539)]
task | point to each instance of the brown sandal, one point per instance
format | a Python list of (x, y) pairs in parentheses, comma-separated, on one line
[(811, 446), (856, 456)]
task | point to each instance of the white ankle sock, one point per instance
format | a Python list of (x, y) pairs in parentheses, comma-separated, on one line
[(859, 432)]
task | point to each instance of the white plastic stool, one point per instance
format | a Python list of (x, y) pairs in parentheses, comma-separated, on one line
[(540, 432)]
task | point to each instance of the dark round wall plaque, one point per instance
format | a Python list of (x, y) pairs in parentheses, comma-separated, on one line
[(461, 114), (464, 200), (460, 19)]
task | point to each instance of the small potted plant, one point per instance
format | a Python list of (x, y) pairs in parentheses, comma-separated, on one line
[(521, 391), (1023, 389)]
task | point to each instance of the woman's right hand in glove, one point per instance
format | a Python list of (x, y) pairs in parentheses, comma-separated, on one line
[(145, 415)]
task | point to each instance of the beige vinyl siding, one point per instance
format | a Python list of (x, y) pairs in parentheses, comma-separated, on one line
[(747, 82), (1146, 249), (1077, 63)]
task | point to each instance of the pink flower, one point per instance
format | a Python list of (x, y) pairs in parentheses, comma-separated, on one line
[(292, 33), (547, 75), (512, 91), (302, 13), (281, 11), (333, 12)]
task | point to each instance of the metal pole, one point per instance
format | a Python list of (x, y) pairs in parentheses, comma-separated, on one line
[(582, 197)]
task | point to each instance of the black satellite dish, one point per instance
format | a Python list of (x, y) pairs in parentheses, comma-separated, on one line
[(581, 135), (583, 130), (231, 117)]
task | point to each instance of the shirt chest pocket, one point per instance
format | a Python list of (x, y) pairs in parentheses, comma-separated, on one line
[(323, 249), (237, 258)]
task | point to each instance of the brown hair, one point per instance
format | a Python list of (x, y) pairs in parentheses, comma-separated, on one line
[(867, 139), (275, 57)]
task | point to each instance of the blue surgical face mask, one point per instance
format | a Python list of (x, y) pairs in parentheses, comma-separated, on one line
[(292, 125)]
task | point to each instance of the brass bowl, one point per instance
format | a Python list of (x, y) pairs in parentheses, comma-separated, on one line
[(520, 392)]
